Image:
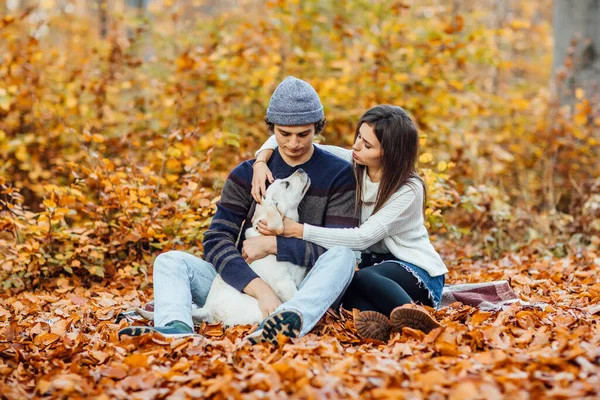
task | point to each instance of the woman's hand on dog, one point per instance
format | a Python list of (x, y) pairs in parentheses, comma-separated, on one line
[(258, 247), (259, 180), (263, 228), (291, 228)]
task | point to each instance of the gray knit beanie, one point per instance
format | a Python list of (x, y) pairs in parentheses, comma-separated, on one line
[(294, 102)]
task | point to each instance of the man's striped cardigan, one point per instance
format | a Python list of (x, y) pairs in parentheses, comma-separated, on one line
[(329, 202)]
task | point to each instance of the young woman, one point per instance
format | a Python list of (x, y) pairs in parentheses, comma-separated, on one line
[(399, 266)]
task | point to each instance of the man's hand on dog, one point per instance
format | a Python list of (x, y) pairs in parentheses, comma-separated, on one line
[(268, 301), (258, 247)]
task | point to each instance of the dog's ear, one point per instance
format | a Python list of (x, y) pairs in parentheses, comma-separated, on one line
[(259, 212), (274, 219)]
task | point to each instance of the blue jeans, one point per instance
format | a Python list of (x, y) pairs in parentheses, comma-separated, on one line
[(181, 279)]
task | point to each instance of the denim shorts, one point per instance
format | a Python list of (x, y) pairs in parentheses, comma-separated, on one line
[(434, 285)]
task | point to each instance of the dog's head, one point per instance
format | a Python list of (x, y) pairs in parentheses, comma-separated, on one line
[(282, 200)]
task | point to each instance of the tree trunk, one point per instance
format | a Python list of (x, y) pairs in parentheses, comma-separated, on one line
[(141, 6), (576, 47), (103, 18)]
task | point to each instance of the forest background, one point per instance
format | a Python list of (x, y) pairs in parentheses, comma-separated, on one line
[(119, 121)]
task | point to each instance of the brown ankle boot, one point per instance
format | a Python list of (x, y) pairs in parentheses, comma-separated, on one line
[(412, 316), (373, 325)]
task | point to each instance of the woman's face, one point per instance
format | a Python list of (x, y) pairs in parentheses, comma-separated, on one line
[(366, 148)]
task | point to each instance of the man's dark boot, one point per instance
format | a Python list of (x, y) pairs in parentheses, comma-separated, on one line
[(172, 329)]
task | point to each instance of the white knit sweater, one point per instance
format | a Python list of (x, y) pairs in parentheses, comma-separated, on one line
[(397, 228)]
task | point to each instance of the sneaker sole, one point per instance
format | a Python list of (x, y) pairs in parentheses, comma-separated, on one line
[(373, 325), (412, 318), (142, 330), (287, 323)]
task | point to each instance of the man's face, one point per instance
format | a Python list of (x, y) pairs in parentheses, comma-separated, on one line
[(295, 141)]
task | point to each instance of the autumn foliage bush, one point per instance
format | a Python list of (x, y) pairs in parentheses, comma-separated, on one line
[(115, 149)]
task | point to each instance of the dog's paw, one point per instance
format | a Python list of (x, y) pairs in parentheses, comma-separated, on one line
[(200, 315), (286, 291), (149, 315)]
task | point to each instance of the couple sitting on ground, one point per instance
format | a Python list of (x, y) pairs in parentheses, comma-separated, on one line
[(368, 199)]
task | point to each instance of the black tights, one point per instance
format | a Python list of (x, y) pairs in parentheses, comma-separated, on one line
[(382, 288)]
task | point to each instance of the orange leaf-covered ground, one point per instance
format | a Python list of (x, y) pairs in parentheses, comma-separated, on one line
[(61, 342)]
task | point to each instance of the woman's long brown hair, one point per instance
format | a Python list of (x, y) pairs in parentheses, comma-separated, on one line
[(399, 138)]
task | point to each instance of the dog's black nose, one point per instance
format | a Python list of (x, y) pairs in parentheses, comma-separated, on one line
[(300, 170)]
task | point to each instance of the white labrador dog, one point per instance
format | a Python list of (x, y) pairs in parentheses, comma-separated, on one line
[(224, 303)]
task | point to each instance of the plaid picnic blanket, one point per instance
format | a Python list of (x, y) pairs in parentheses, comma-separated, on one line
[(488, 296)]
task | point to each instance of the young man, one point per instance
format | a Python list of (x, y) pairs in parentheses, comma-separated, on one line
[(295, 115)]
